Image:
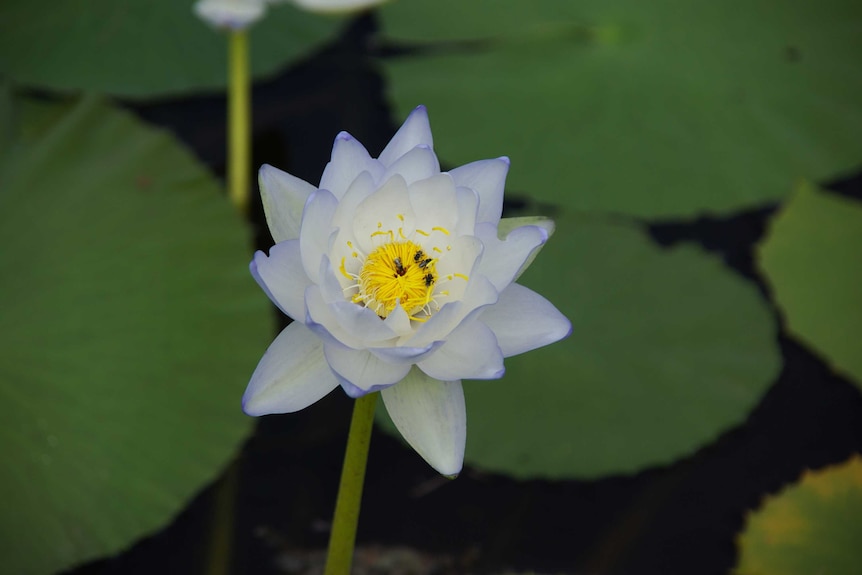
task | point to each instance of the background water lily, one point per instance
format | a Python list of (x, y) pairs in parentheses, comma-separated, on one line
[(239, 14), (231, 14), (394, 274)]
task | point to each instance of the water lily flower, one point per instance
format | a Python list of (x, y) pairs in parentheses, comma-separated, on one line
[(230, 14), (397, 282), (336, 6), (240, 14)]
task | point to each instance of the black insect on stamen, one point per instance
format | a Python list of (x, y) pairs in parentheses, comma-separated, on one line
[(425, 262), (418, 255), (429, 279), (399, 267)]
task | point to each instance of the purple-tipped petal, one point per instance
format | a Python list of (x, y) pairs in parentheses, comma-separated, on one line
[(321, 319), (488, 179), (292, 374), (522, 320), (503, 260), (470, 352), (349, 159), (432, 417), (357, 392), (280, 275), (283, 198), (415, 131), (362, 369)]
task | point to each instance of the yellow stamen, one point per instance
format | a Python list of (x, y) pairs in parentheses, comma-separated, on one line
[(343, 270), (391, 274)]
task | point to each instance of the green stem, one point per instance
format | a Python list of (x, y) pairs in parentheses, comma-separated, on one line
[(341, 541), (239, 114), (222, 522)]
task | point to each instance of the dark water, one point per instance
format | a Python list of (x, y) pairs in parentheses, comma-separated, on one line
[(678, 519)]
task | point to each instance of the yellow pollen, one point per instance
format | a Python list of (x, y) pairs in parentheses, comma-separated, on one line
[(392, 273)]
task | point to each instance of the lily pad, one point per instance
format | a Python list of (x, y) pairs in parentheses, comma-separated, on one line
[(141, 48), (669, 350), (812, 259), (654, 109), (810, 527), (129, 329)]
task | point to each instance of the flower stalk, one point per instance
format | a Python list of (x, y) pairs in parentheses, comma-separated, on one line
[(339, 557), (239, 116)]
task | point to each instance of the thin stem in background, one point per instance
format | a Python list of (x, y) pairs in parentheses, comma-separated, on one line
[(239, 119)]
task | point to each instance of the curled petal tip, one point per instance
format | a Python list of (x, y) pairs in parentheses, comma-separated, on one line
[(343, 136), (420, 107), (506, 160), (350, 389)]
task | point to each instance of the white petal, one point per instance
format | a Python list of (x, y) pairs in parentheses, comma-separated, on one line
[(432, 417), (344, 322), (330, 287), (523, 320), (456, 267), (414, 132), (292, 374), (434, 203), (362, 187), (349, 159), (360, 372), (405, 354), (468, 209), (316, 230), (282, 278), (488, 179), (502, 261), (283, 198), (417, 164), (506, 225), (321, 319), (387, 209), (398, 321), (479, 293), (470, 352), (362, 322)]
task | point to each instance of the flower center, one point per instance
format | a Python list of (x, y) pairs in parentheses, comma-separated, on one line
[(397, 271)]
